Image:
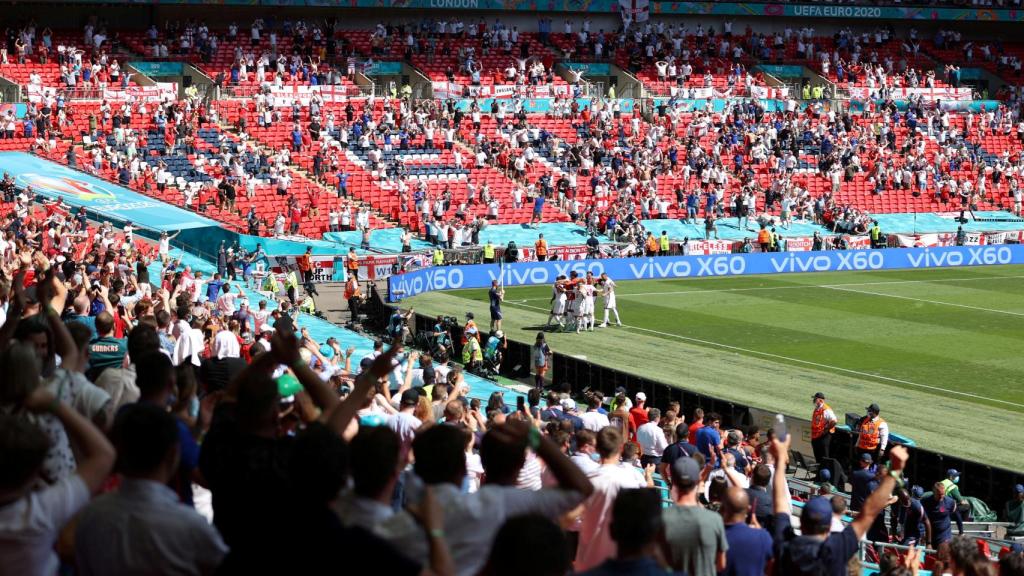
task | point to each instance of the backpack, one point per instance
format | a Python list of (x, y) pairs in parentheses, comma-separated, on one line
[(812, 559)]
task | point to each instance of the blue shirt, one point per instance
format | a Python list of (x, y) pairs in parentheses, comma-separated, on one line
[(864, 483), (89, 321), (911, 518), (940, 514), (538, 204), (708, 438), (750, 549), (213, 289)]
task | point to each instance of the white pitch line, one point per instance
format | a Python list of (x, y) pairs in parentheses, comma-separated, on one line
[(807, 362), (796, 287), (979, 308)]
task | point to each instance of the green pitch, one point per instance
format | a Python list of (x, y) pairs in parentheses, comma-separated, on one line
[(941, 350)]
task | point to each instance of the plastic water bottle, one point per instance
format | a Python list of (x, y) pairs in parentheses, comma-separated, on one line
[(780, 428)]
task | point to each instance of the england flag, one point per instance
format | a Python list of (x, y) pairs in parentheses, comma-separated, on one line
[(635, 10)]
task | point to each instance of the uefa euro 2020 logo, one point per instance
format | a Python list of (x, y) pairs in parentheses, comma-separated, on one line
[(68, 187)]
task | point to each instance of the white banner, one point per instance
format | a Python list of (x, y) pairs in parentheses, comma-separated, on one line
[(706, 247), (902, 93), (445, 90), (162, 91), (949, 239), (769, 92), (286, 95)]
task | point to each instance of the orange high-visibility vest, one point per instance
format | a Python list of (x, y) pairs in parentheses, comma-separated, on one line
[(869, 434), (819, 426), (542, 247)]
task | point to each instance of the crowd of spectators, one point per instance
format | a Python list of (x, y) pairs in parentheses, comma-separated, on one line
[(133, 402), (138, 396)]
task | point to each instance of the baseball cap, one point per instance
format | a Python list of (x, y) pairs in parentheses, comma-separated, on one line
[(685, 470), (865, 457), (952, 473), (1018, 489), (410, 397), (818, 395), (817, 511), (620, 390), (918, 491), (874, 408), (641, 397), (568, 404)]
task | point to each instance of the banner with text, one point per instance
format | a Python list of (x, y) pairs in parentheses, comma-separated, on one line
[(902, 93), (530, 273), (758, 9)]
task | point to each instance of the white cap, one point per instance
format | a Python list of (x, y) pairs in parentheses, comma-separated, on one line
[(266, 328), (568, 404), (641, 397)]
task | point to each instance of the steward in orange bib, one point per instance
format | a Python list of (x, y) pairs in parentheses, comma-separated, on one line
[(823, 424), (354, 297), (541, 248), (874, 434), (352, 263), (652, 245), (764, 238)]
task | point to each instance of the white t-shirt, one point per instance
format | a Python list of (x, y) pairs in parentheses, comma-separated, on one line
[(76, 391), (596, 544), (472, 520), (594, 420), (30, 526), (226, 303)]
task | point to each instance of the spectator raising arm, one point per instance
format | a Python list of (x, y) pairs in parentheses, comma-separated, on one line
[(880, 498), (15, 306), (53, 294), (382, 365), (431, 517), (97, 454), (780, 488), (569, 475)]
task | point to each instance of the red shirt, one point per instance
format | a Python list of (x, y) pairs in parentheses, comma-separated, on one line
[(637, 418), (693, 431)]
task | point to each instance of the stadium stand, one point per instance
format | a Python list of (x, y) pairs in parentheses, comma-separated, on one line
[(263, 438)]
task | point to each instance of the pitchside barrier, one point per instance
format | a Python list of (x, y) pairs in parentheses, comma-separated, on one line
[(649, 268)]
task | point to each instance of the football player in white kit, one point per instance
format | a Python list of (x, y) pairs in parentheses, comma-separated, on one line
[(558, 302), (585, 310), (608, 292)]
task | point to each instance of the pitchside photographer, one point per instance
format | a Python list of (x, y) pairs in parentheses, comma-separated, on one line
[(438, 340)]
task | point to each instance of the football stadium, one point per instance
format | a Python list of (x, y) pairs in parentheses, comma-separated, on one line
[(469, 287)]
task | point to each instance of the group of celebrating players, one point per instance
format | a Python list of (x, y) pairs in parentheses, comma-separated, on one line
[(572, 301)]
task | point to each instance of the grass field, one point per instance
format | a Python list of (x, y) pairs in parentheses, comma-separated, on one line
[(940, 350)]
